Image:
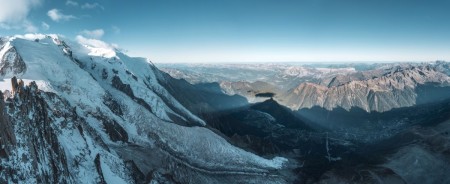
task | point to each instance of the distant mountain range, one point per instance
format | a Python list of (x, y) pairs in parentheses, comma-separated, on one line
[(352, 123), (376, 87)]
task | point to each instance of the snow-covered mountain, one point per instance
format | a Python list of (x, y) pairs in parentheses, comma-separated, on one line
[(83, 112)]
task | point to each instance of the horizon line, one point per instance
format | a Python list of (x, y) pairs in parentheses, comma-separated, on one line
[(300, 62)]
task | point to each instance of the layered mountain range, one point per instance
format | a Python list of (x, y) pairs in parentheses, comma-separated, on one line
[(377, 87), (377, 123), (379, 93)]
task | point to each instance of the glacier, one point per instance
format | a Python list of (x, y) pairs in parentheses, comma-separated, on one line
[(82, 108)]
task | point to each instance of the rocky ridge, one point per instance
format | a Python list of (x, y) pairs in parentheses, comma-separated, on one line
[(392, 90)]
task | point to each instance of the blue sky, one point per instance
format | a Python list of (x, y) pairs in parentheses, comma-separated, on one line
[(246, 30)]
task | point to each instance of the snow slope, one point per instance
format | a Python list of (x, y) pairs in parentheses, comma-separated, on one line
[(97, 100)]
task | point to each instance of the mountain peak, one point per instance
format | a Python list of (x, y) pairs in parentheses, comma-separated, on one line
[(96, 104)]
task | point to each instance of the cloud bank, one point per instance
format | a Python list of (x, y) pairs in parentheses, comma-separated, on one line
[(56, 15), (45, 26), (71, 3), (96, 34), (91, 6), (13, 15), (92, 42)]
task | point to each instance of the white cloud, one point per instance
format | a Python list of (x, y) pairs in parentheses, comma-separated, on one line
[(13, 15), (29, 27), (93, 42), (97, 33), (17, 10), (57, 16), (45, 26), (71, 3), (115, 45), (97, 47), (116, 29), (91, 6)]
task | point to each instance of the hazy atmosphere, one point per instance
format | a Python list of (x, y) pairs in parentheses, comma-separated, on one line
[(225, 91), (246, 31)]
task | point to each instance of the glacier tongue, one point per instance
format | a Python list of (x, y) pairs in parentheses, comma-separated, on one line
[(86, 110)]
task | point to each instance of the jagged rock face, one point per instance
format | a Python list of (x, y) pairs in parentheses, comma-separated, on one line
[(7, 136), (393, 90), (82, 114), (33, 153), (12, 62)]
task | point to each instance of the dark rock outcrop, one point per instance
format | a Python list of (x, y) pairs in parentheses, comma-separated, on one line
[(126, 88), (98, 167), (115, 131), (30, 128), (12, 62), (7, 137)]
